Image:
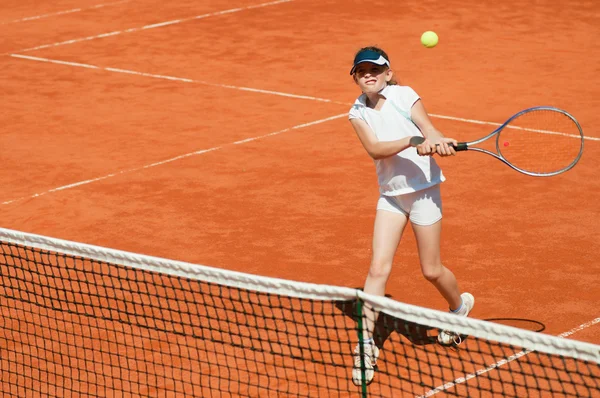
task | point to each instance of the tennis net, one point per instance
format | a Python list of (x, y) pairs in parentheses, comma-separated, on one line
[(81, 320)]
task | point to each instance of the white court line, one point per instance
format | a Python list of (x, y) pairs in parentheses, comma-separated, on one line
[(256, 90), (187, 155), (496, 365), (173, 78), (458, 119), (64, 12), (156, 25)]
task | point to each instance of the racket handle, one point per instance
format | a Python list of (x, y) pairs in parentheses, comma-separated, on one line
[(461, 146)]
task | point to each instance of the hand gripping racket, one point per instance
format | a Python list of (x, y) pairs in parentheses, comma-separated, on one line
[(542, 141)]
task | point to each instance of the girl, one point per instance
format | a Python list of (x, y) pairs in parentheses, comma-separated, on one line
[(385, 117)]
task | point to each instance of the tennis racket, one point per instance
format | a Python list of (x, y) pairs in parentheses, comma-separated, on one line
[(542, 141)]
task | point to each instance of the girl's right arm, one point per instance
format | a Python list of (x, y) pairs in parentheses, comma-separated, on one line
[(375, 148)]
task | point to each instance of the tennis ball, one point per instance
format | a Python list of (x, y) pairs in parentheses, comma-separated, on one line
[(429, 39)]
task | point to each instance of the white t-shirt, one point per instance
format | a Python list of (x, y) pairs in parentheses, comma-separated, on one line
[(406, 171)]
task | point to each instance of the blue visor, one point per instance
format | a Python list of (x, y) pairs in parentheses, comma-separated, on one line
[(369, 56)]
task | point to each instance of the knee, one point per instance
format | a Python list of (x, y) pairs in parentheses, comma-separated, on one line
[(380, 269), (432, 272)]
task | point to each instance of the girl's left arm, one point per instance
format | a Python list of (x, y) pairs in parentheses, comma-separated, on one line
[(435, 141)]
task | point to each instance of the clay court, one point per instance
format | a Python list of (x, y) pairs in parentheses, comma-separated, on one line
[(216, 133)]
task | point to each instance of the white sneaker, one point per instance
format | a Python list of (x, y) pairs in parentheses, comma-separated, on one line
[(448, 337), (371, 352)]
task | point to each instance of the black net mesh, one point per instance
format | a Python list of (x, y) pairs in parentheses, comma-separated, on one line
[(78, 327)]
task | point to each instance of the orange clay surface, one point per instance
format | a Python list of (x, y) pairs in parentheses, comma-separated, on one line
[(300, 204)]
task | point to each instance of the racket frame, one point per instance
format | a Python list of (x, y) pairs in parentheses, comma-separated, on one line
[(468, 146)]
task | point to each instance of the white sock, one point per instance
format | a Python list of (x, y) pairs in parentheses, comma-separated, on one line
[(460, 309)]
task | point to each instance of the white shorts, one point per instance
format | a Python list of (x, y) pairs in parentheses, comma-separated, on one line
[(422, 207)]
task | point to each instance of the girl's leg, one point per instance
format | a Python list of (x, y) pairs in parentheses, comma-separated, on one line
[(386, 237), (428, 243)]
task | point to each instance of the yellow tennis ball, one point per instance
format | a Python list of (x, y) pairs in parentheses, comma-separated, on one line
[(429, 39)]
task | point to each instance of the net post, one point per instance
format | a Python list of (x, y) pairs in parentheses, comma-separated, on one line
[(361, 345)]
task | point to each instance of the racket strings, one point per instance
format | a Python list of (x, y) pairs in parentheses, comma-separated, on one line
[(541, 141)]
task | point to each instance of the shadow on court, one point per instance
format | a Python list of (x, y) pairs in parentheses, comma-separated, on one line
[(422, 335), (519, 323), (387, 325)]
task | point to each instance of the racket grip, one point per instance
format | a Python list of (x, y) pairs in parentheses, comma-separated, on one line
[(461, 146)]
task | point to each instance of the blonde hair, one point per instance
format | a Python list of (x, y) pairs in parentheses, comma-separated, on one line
[(379, 51)]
